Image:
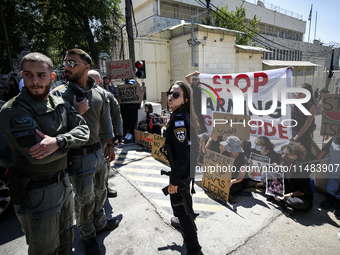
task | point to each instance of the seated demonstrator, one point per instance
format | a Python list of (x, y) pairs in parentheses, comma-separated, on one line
[(89, 177), (232, 148), (298, 190), (40, 128)]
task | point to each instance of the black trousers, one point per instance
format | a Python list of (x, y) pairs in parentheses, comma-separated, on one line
[(130, 116), (237, 187), (188, 229), (299, 203)]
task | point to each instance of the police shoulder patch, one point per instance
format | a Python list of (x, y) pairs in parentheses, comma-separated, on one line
[(179, 123), (22, 122), (180, 134)]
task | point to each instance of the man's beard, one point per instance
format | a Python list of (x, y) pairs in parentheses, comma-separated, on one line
[(76, 76), (40, 97)]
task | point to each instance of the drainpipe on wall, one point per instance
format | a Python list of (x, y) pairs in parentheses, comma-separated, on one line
[(159, 7)]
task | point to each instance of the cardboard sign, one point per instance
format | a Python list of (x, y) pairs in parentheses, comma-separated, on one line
[(217, 173), (130, 93), (144, 138), (229, 124), (119, 69), (330, 115), (158, 142), (137, 135)]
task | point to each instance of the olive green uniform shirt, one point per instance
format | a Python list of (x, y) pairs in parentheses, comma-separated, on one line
[(22, 115), (98, 116)]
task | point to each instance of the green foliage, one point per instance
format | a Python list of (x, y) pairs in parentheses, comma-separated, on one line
[(235, 20), (53, 26)]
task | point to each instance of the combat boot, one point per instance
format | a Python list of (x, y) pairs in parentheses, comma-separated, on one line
[(110, 225), (111, 192), (175, 222), (91, 246)]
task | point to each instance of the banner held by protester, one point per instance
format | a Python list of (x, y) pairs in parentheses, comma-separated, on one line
[(266, 93)]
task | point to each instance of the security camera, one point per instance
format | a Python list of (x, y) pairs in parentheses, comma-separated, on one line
[(183, 23), (200, 40)]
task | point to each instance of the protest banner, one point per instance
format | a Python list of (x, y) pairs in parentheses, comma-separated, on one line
[(229, 124), (216, 174), (144, 138), (265, 93), (158, 142), (330, 115), (130, 93), (119, 69)]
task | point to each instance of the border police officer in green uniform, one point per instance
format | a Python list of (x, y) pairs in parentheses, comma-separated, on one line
[(40, 129), (89, 179), (117, 123)]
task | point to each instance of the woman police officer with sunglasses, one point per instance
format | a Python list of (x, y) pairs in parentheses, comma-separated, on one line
[(178, 138)]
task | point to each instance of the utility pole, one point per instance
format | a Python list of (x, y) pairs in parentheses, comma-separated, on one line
[(129, 30), (330, 73), (310, 20)]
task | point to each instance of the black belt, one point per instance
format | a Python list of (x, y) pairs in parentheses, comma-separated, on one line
[(36, 184), (89, 149)]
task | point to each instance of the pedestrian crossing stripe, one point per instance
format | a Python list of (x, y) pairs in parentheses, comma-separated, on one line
[(148, 179), (137, 163), (197, 206), (158, 190), (144, 170), (138, 170)]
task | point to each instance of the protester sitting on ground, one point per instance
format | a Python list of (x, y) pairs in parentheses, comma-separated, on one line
[(213, 143), (11, 88), (152, 121), (303, 131), (143, 124), (298, 190), (233, 149), (263, 146), (333, 183)]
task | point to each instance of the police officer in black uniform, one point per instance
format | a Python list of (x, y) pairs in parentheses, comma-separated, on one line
[(178, 139)]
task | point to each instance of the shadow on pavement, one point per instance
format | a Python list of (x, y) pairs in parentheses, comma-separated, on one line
[(10, 227), (173, 247)]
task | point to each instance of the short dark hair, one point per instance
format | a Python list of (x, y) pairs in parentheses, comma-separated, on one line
[(265, 141), (82, 54), (37, 57)]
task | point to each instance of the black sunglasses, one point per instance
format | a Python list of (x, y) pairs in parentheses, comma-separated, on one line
[(71, 63), (173, 94)]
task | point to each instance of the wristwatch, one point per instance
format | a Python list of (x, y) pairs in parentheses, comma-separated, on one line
[(61, 141)]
